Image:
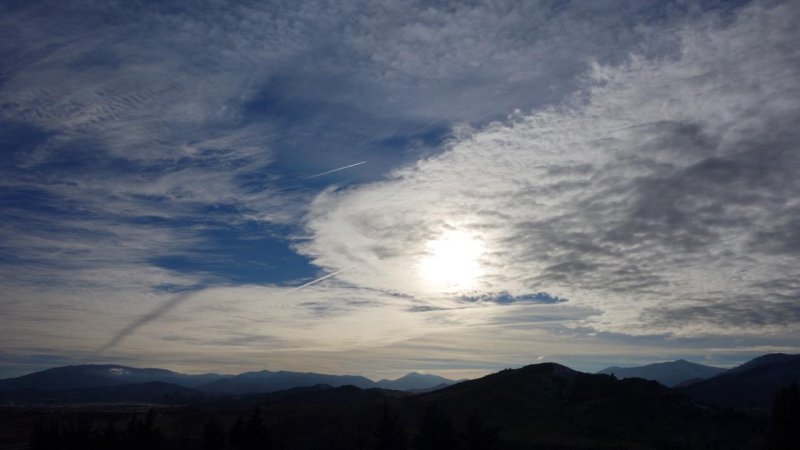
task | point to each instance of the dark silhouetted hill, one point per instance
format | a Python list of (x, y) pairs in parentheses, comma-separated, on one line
[(770, 358), (751, 385), (267, 381), (341, 394), (669, 374), (154, 392), (553, 406)]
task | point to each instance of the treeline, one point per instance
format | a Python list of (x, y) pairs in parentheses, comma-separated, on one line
[(434, 431), (140, 433), (386, 431), (786, 419), (385, 426)]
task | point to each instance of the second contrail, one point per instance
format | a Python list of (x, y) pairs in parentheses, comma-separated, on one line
[(317, 280), (336, 170)]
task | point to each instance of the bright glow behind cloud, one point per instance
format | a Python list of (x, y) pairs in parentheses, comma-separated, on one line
[(452, 262)]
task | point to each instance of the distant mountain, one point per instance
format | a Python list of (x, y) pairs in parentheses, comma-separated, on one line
[(267, 381), (155, 392), (669, 374), (751, 385), (415, 381), (97, 375)]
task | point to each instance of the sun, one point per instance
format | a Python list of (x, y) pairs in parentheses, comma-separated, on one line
[(452, 261)]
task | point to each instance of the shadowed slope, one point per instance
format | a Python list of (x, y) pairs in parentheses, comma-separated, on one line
[(751, 385)]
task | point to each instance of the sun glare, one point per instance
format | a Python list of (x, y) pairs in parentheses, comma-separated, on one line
[(452, 261)]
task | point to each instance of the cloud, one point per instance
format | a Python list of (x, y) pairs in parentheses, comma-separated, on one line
[(668, 182), (660, 198), (132, 131), (328, 316), (135, 114), (504, 298)]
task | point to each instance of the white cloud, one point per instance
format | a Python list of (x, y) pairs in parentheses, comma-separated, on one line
[(645, 200)]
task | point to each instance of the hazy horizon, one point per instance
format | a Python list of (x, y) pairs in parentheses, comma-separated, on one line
[(456, 374)]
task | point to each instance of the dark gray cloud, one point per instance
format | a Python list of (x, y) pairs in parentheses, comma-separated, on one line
[(504, 298), (735, 312)]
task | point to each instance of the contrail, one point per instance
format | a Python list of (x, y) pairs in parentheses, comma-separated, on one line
[(247, 88), (145, 319), (336, 170), (317, 280), (174, 302)]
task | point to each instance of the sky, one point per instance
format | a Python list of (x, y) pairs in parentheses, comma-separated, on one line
[(378, 187)]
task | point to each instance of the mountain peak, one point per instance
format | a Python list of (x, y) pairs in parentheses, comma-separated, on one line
[(410, 375), (670, 373), (415, 381)]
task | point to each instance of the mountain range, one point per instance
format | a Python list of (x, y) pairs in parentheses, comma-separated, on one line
[(546, 406), (71, 378), (751, 385)]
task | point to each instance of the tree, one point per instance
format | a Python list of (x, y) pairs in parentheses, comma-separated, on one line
[(213, 435), (390, 434), (142, 432), (786, 419), (45, 436), (251, 434), (436, 431), (478, 435)]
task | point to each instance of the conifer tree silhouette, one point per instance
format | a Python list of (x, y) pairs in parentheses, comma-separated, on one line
[(45, 436), (436, 431), (213, 435), (390, 434), (251, 434), (142, 433), (478, 435), (786, 419)]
